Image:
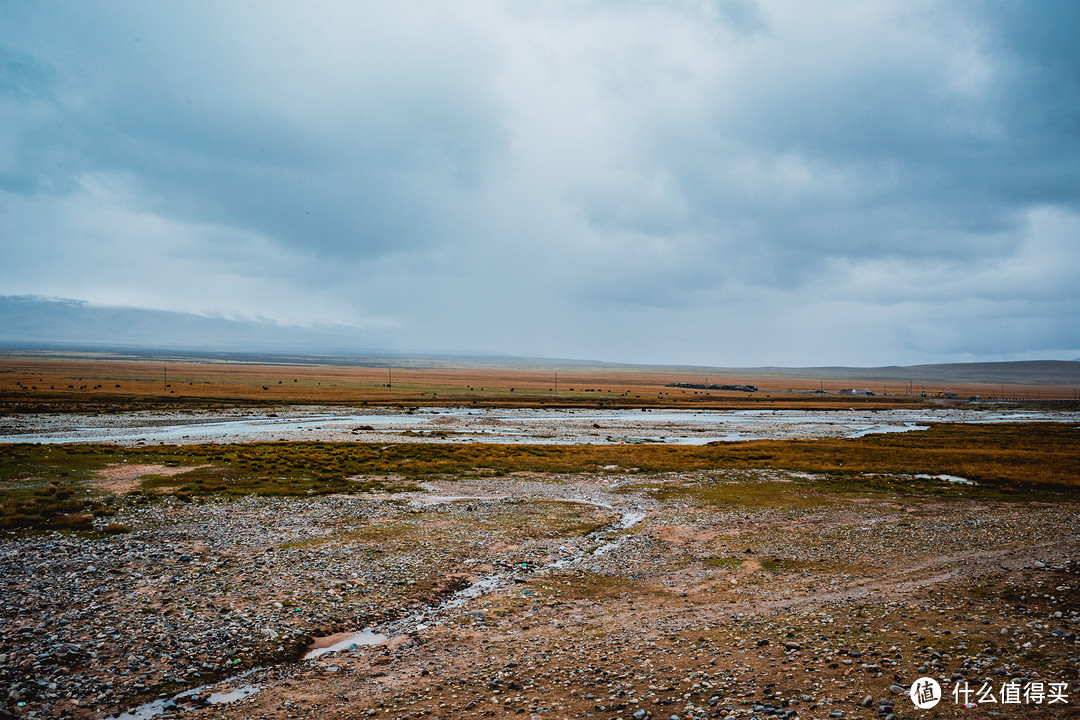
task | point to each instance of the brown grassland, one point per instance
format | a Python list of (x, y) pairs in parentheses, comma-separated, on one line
[(35, 384), (1002, 459)]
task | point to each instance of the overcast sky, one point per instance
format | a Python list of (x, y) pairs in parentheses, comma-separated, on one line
[(720, 183)]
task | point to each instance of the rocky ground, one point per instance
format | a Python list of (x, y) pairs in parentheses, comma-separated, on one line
[(605, 596)]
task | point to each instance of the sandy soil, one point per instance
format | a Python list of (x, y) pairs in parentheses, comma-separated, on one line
[(120, 478)]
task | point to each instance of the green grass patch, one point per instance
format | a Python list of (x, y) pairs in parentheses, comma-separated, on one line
[(591, 586), (1006, 460), (528, 519), (59, 464), (724, 493), (52, 507), (779, 565)]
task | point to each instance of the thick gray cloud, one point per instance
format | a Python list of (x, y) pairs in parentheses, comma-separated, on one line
[(714, 182)]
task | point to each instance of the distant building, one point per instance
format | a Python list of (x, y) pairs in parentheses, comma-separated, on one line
[(703, 386)]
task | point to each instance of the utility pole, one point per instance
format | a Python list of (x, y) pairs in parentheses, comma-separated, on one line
[(165, 382), (390, 378)]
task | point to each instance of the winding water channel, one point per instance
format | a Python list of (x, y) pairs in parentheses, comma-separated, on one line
[(440, 425), (236, 688)]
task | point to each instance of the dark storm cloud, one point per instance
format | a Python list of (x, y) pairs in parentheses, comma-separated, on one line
[(217, 124), (549, 179), (868, 150)]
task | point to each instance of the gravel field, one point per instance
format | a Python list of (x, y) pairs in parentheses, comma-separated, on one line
[(544, 597)]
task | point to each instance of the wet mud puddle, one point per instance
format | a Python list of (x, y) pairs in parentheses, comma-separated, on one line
[(229, 690)]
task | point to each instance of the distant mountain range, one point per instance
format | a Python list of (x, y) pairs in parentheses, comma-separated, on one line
[(33, 320), (37, 323), (1037, 372)]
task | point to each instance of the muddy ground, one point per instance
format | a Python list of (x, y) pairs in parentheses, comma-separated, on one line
[(787, 602)]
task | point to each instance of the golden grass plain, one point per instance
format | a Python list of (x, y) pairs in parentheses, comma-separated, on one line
[(60, 384)]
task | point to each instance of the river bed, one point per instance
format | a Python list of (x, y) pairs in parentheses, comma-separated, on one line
[(230, 690), (442, 425)]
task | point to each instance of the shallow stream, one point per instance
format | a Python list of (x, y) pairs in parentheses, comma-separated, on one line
[(234, 688), (440, 425)]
